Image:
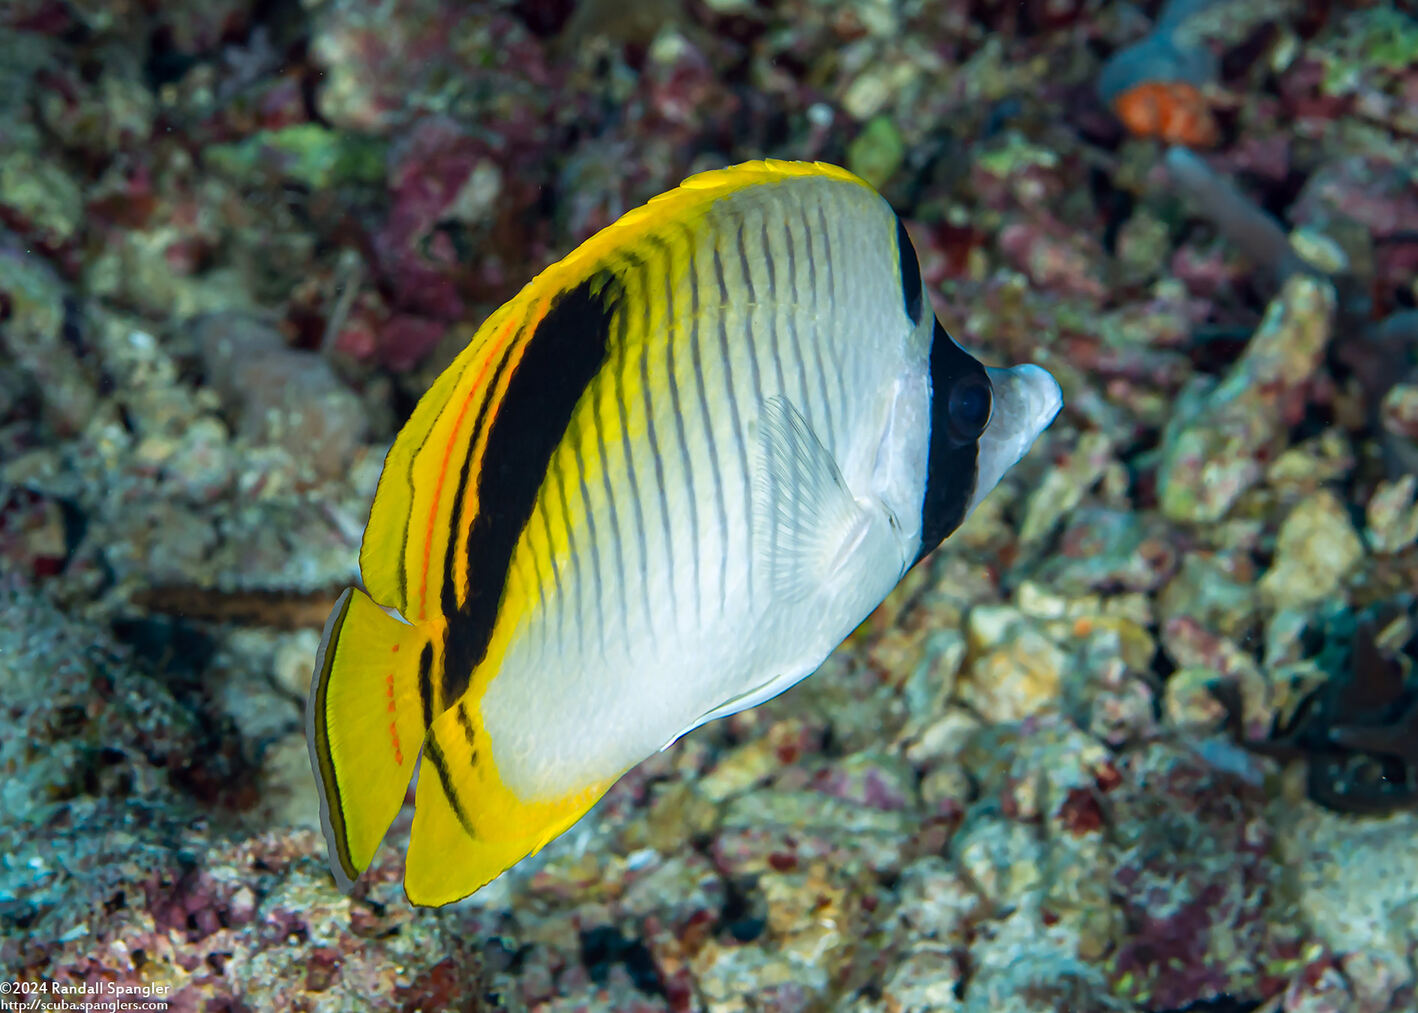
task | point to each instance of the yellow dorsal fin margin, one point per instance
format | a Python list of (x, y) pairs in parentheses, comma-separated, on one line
[(691, 197)]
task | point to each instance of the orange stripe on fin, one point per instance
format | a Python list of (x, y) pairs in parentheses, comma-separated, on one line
[(455, 438), (469, 510)]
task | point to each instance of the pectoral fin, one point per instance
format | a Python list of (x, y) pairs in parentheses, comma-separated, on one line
[(806, 520)]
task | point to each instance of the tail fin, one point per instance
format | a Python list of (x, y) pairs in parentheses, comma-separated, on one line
[(468, 825), (370, 701)]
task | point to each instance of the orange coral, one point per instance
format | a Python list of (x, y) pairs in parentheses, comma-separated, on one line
[(1175, 111)]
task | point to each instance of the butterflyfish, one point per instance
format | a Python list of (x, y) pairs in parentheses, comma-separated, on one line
[(656, 488)]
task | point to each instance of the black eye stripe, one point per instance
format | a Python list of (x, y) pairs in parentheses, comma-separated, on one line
[(952, 466), (910, 273)]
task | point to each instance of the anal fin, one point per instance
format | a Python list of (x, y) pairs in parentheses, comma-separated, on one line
[(468, 825)]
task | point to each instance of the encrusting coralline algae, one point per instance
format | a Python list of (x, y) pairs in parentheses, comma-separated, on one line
[(1133, 741)]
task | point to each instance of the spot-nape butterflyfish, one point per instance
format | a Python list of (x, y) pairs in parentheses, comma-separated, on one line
[(659, 486)]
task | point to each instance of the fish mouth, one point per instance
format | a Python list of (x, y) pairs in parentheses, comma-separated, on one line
[(1026, 400)]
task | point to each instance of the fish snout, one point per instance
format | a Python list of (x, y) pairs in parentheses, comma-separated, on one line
[(1026, 400)]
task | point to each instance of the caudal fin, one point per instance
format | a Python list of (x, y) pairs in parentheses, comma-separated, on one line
[(364, 722), (468, 825)]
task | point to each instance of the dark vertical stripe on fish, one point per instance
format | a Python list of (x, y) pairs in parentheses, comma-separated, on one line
[(653, 438), (696, 358), (622, 352), (556, 366), (597, 585), (840, 359), (911, 290), (544, 511), (426, 683), (538, 578), (774, 331), (468, 735), (781, 327), (610, 379), (448, 594), (576, 583), (817, 339), (749, 334), (434, 752), (728, 366), (677, 413), (952, 466), (755, 311), (799, 353)]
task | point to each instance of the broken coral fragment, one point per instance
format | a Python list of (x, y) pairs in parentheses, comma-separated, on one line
[(1218, 445), (282, 396), (1317, 548), (1392, 516)]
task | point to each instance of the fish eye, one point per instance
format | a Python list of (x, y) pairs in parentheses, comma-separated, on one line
[(968, 406)]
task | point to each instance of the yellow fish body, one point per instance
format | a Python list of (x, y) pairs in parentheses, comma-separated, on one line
[(659, 486)]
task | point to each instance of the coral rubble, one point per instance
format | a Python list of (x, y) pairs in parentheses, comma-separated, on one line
[(1140, 738)]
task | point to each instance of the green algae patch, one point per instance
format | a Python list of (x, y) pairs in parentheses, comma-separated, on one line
[(306, 153), (1381, 38), (876, 153)]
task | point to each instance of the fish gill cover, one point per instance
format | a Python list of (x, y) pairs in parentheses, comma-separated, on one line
[(1138, 739)]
